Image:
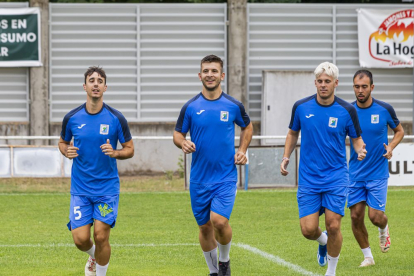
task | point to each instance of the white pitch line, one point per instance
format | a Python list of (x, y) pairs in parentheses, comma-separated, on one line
[(275, 259)]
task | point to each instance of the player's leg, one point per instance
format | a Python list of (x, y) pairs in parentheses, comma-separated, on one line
[(200, 204), (333, 226), (103, 248), (357, 197), (80, 221), (221, 209), (310, 208), (377, 199), (334, 201), (105, 214)]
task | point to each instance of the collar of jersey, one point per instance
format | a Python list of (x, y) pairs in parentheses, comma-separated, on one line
[(221, 95), (316, 100), (373, 100), (94, 113)]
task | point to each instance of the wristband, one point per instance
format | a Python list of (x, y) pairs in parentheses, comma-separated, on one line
[(285, 158)]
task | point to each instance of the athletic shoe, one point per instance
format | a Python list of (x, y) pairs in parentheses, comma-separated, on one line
[(213, 274), (322, 253), (367, 262), (90, 267), (224, 269), (385, 241)]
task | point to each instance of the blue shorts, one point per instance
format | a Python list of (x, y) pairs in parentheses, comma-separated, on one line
[(315, 199), (85, 209), (373, 192), (218, 198)]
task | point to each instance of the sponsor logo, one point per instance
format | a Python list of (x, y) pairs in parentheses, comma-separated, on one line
[(392, 43), (104, 209), (375, 119), (104, 129), (81, 126), (308, 116), (381, 205), (224, 116), (201, 111), (333, 122)]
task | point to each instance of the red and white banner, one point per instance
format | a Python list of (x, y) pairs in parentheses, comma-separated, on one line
[(385, 38)]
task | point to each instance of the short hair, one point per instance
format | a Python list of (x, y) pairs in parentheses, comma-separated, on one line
[(362, 73), (96, 69), (329, 68), (212, 58)]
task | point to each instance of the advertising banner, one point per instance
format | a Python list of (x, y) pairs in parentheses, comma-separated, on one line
[(385, 38), (20, 37), (401, 165)]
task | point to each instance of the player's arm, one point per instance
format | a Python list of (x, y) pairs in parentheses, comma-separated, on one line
[(290, 144), (126, 152), (245, 138), (67, 149), (182, 143), (359, 147), (398, 136)]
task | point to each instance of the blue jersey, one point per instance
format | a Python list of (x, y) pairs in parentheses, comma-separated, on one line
[(211, 126), (324, 129), (93, 172), (374, 120)]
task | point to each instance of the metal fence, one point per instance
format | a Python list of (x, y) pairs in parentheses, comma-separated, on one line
[(151, 53)]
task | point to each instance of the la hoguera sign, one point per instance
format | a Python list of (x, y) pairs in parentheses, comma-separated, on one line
[(20, 37)]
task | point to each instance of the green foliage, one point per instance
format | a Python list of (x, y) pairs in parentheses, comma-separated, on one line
[(151, 226), (169, 175), (180, 164)]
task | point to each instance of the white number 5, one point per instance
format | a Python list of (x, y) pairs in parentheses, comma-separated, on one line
[(77, 212)]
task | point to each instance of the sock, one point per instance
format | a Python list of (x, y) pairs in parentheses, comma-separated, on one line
[(224, 252), (323, 239), (101, 269), (91, 251), (211, 260), (383, 231), (332, 262), (367, 252)]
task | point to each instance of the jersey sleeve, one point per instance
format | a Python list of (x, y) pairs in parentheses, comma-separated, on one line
[(242, 119), (124, 135), (294, 119), (392, 119), (66, 132), (353, 129), (184, 120)]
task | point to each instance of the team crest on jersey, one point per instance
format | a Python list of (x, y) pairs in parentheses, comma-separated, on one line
[(374, 119), (104, 129), (333, 122), (224, 116)]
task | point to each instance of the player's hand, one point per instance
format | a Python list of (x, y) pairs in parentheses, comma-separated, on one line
[(71, 151), (283, 166), (188, 147), (387, 155), (108, 150), (362, 152), (240, 158)]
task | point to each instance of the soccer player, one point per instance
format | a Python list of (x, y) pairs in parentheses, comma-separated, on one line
[(210, 118), (369, 179), (325, 121), (96, 129)]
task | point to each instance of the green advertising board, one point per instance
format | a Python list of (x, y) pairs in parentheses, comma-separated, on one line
[(20, 37)]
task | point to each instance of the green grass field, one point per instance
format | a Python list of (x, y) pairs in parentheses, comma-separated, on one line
[(156, 234)]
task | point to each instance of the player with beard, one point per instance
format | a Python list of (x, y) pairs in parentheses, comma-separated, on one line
[(210, 118), (325, 121), (369, 179)]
